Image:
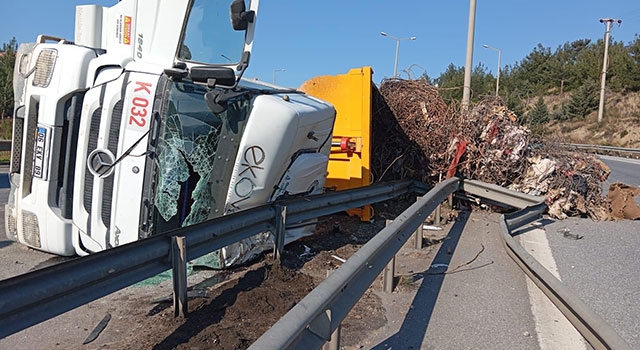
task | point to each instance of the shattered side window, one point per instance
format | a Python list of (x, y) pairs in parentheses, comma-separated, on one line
[(189, 135), (209, 36)]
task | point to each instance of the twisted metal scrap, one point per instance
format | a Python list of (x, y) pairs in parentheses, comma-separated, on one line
[(411, 122), (415, 135)]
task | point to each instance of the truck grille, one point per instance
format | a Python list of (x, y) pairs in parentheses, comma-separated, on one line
[(16, 147), (114, 136), (30, 139), (94, 128)]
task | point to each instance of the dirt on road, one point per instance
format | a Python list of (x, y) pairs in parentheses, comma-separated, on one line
[(230, 309)]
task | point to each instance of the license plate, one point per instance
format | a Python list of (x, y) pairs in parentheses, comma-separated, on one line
[(39, 153)]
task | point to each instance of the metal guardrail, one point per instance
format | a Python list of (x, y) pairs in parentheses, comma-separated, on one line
[(317, 317), (605, 149), (34, 297), (310, 323)]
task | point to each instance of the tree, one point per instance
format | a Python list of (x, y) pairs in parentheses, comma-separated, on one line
[(451, 82), (634, 73), (620, 66), (589, 63), (536, 68), (482, 83), (583, 101), (7, 61), (539, 114), (563, 62)]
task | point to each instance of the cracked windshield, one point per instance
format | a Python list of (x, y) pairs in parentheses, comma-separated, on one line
[(186, 152)]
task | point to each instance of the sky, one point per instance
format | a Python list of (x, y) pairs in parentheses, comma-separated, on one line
[(301, 39)]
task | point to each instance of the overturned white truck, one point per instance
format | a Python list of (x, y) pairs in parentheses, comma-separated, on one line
[(143, 124)]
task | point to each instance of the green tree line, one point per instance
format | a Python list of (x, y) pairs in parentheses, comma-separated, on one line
[(7, 61), (573, 69)]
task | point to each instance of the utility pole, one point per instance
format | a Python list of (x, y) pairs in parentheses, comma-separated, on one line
[(605, 63), (466, 89)]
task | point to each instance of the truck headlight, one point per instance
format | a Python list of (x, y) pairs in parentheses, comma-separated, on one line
[(44, 67), (30, 229), (12, 228), (24, 63)]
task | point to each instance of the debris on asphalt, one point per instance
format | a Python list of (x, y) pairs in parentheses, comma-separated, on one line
[(566, 233), (99, 328), (623, 204)]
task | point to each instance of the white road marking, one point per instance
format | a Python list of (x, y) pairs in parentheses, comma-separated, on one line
[(553, 329)]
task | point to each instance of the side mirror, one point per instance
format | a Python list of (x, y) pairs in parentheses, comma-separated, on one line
[(213, 76), (240, 18)]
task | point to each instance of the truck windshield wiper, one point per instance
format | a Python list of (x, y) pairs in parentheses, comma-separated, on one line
[(217, 100), (130, 149)]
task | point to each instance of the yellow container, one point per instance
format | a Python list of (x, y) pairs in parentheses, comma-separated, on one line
[(350, 159)]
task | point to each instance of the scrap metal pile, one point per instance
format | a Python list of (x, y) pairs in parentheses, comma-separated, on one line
[(416, 135)]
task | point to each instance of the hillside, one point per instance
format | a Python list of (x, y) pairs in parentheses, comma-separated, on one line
[(620, 126)]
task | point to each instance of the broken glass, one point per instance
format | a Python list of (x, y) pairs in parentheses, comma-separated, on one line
[(185, 155)]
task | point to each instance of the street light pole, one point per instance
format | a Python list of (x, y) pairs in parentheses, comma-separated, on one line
[(468, 66), (274, 74), (498, 74), (395, 65)]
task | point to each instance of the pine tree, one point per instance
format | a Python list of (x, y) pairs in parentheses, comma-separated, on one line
[(539, 114), (583, 101), (7, 61)]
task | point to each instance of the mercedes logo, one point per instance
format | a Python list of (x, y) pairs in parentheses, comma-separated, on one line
[(100, 162)]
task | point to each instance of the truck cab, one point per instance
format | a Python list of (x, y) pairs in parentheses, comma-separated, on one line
[(143, 124)]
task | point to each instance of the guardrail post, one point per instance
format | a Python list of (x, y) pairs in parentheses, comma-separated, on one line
[(334, 343), (437, 213), (389, 272), (321, 326), (179, 265), (417, 237), (279, 231)]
